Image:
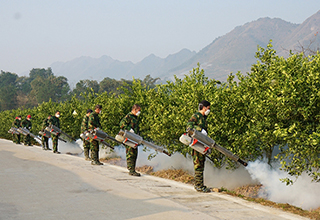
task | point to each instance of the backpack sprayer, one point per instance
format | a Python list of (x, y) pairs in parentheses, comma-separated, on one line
[(13, 130), (47, 134), (98, 135), (202, 143), (133, 140), (26, 132), (56, 131)]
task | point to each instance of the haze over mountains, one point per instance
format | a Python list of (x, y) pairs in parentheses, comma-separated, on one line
[(232, 52)]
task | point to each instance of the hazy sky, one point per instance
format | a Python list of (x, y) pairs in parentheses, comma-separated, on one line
[(36, 33)]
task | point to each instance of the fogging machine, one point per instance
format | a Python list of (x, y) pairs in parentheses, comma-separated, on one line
[(13, 130), (47, 134), (26, 132), (202, 143), (133, 140), (98, 135), (56, 131)]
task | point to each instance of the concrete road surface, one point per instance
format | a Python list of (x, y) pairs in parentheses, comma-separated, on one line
[(37, 184)]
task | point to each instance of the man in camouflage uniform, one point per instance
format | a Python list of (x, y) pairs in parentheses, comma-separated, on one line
[(94, 123), (198, 122), (131, 123), (44, 139), (54, 120), (16, 124), (26, 123), (84, 128)]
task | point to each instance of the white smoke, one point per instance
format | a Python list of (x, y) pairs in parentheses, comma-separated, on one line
[(226, 178), (303, 193), (68, 147), (213, 177), (160, 161)]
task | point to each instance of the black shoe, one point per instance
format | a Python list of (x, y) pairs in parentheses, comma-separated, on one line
[(203, 189), (94, 162), (134, 173)]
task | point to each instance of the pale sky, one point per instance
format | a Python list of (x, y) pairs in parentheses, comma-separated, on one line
[(37, 33)]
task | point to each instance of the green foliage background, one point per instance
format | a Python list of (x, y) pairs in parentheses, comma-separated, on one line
[(276, 105)]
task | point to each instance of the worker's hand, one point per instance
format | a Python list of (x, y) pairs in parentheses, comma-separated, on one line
[(204, 132), (131, 130)]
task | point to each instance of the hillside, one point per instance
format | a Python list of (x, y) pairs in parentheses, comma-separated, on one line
[(235, 51)]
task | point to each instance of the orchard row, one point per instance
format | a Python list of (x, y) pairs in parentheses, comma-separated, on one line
[(274, 106)]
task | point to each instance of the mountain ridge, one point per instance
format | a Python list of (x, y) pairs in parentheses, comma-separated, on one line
[(232, 52)]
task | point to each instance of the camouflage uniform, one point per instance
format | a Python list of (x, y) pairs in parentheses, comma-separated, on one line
[(94, 122), (16, 124), (86, 144), (44, 139), (27, 124), (56, 122), (130, 121), (198, 122)]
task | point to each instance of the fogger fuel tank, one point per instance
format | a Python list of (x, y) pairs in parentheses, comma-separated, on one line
[(194, 144), (126, 141)]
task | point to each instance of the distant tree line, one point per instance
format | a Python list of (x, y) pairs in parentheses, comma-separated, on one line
[(42, 85)]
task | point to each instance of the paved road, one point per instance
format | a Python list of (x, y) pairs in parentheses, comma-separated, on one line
[(37, 184)]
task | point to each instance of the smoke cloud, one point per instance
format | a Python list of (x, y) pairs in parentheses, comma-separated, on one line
[(226, 178), (160, 161), (68, 147), (213, 177), (303, 193)]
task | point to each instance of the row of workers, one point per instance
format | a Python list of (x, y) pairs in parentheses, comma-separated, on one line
[(130, 123)]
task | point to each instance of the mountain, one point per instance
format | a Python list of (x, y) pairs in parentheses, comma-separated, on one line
[(233, 52), (304, 35), (156, 66), (97, 69), (90, 68)]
